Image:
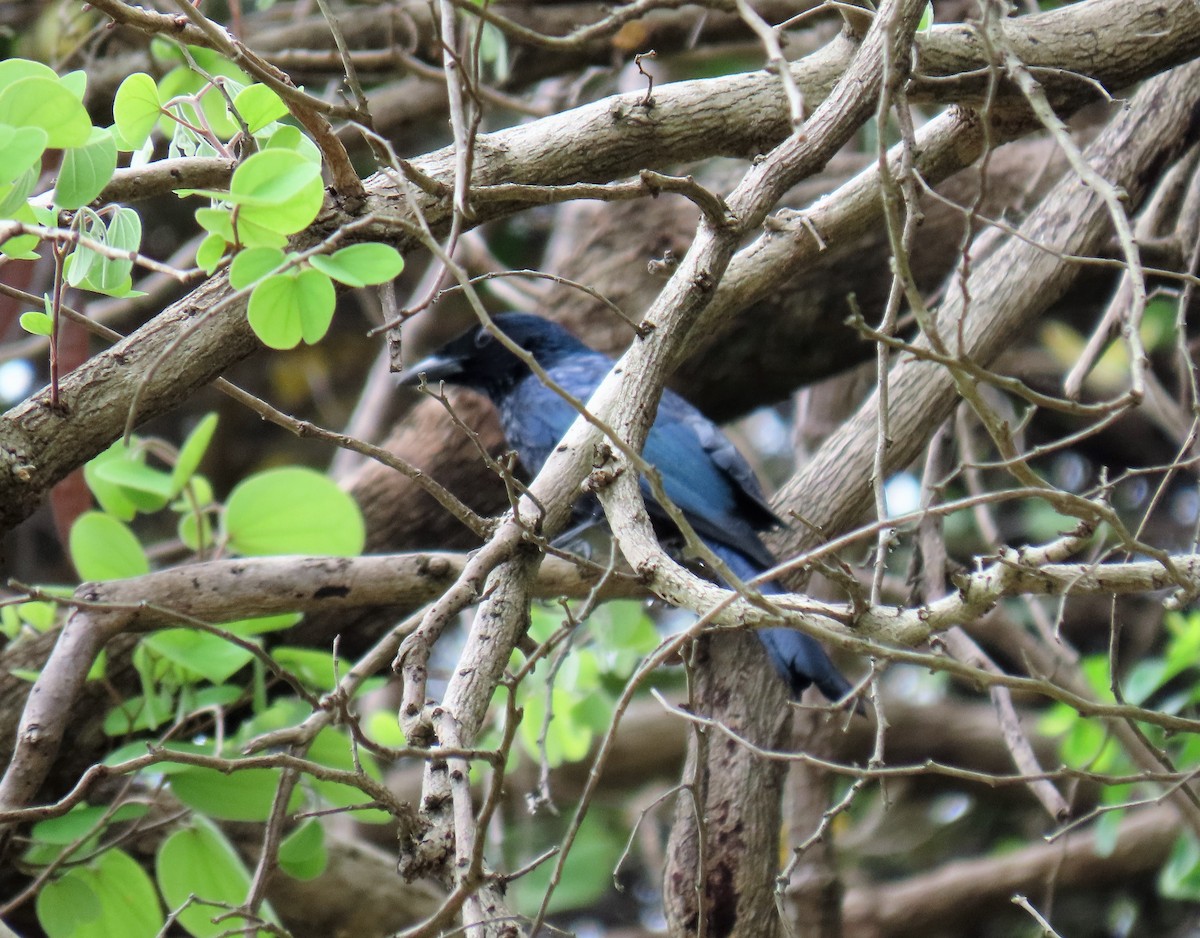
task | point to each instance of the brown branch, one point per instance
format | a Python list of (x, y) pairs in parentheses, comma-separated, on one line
[(219, 591), (609, 139), (954, 897)]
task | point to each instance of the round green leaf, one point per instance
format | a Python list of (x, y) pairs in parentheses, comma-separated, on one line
[(110, 896), (12, 70), (136, 108), (239, 796), (149, 488), (210, 252), (103, 548), (271, 178), (195, 531), (1180, 876), (80, 821), (288, 307), (302, 854), (38, 615), (75, 82), (140, 712), (200, 861), (114, 498), (252, 234), (293, 511), (216, 220), (21, 149), (43, 102), (37, 323), (207, 656), (332, 748), (311, 667), (68, 905), (361, 264), (252, 264), (86, 170), (277, 189), (259, 106), (288, 137)]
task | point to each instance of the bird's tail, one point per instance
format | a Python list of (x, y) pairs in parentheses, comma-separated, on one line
[(799, 658)]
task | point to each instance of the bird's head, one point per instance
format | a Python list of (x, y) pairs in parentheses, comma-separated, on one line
[(478, 360)]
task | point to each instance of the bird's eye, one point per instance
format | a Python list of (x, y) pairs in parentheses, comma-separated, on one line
[(483, 338)]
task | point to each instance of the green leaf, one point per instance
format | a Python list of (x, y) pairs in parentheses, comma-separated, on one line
[(332, 748), (251, 234), (302, 854), (137, 713), (192, 452), (75, 82), (244, 795), (207, 656), (136, 108), (38, 615), (259, 106), (137, 749), (1180, 876), (587, 873), (253, 264), (36, 101), (1144, 679), (81, 821), (110, 896), (218, 221), (260, 625), (293, 511), (287, 137), (313, 668), (288, 307), (199, 861), (37, 323), (13, 70), (13, 195), (69, 905), (210, 252), (383, 728), (124, 234), (21, 149), (84, 259), (150, 488), (271, 178), (86, 170), (113, 498), (103, 548), (361, 264), (277, 189), (195, 531)]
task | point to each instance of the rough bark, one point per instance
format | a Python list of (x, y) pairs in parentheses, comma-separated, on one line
[(188, 345)]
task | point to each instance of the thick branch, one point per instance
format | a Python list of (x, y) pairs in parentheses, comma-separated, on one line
[(216, 592), (188, 345)]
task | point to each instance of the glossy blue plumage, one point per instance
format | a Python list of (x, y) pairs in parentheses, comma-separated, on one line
[(703, 473)]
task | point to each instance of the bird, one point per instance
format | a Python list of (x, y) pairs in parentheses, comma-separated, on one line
[(703, 473)]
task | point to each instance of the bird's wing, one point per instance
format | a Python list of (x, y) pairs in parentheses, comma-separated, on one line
[(703, 473), (725, 456)]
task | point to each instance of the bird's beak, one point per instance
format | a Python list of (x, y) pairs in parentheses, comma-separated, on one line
[(433, 368)]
